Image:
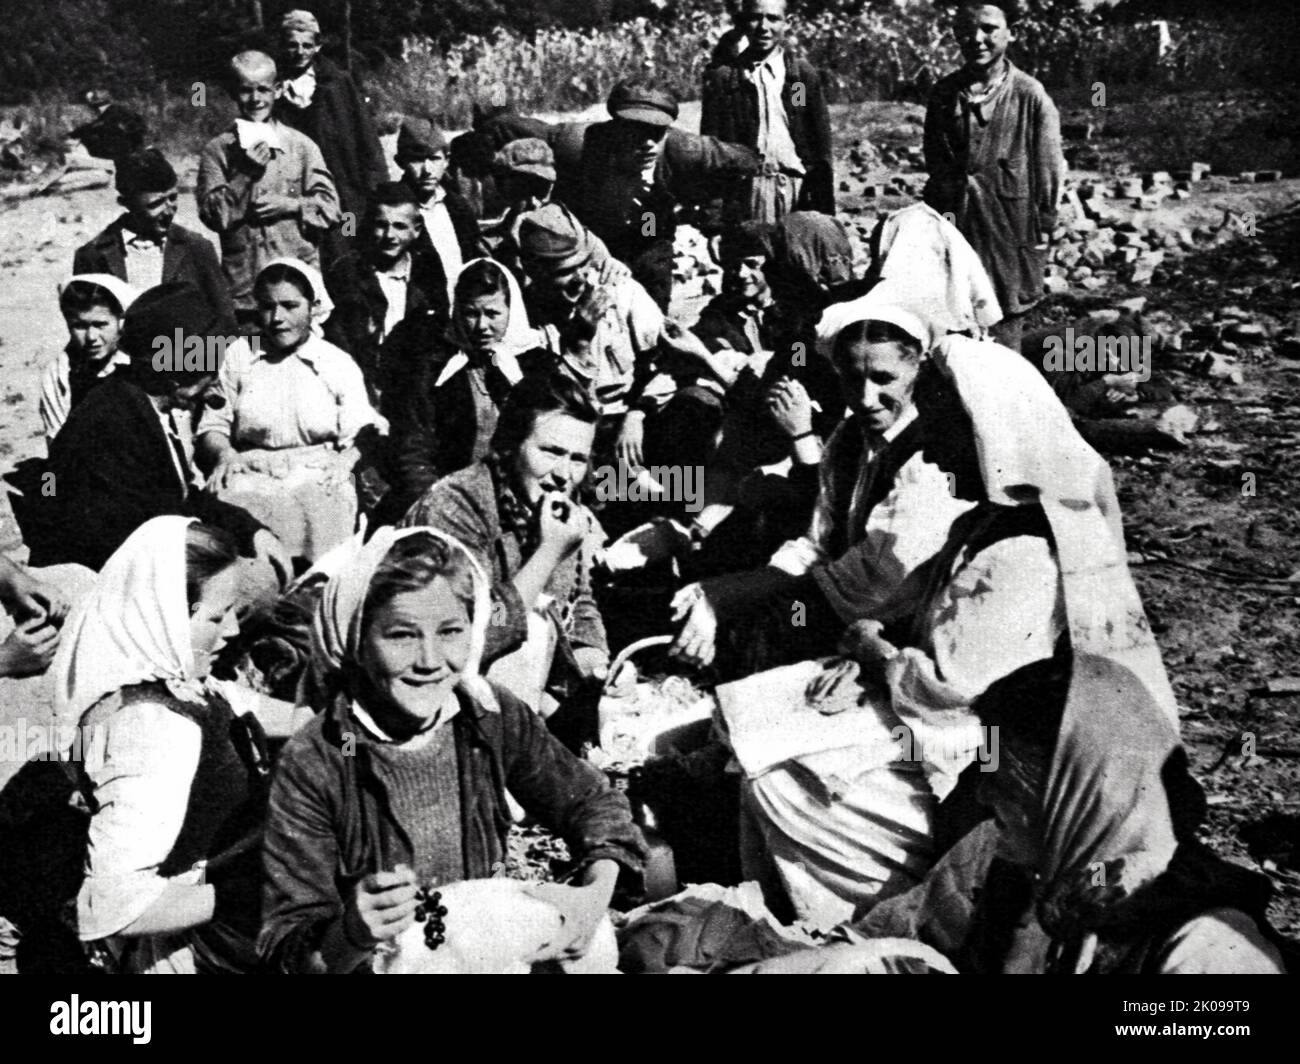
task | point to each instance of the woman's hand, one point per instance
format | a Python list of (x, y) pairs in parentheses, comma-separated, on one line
[(259, 155), (582, 908), (696, 644), (790, 407), (228, 466), (381, 907), (561, 522), (26, 598), (30, 648), (629, 449), (863, 643)]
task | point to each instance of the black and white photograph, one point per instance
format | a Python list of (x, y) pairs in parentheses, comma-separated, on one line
[(650, 487)]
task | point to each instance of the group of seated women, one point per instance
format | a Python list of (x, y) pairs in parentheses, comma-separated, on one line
[(987, 761)]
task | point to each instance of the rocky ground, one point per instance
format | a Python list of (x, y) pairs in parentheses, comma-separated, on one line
[(1211, 262)]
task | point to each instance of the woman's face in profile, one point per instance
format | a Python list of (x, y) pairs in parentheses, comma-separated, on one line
[(212, 619), (413, 652), (284, 312)]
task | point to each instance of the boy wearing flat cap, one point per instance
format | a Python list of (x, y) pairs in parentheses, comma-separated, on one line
[(637, 169), (772, 100), (449, 227), (993, 150), (145, 247)]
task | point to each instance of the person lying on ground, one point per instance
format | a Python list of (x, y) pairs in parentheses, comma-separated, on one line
[(263, 186), (172, 764), (295, 421), (93, 306), (404, 714), (386, 279), (145, 246)]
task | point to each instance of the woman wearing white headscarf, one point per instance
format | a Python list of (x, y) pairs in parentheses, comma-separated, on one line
[(296, 415), (951, 571), (93, 305), (173, 775), (399, 784), (444, 388)]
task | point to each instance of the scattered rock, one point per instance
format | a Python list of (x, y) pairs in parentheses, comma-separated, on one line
[(1222, 367)]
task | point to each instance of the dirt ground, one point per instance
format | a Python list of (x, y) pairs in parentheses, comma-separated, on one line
[(1212, 527)]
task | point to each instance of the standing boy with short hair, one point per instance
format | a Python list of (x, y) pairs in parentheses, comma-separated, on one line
[(769, 99), (993, 150), (263, 186)]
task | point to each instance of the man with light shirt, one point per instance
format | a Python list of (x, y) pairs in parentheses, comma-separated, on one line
[(145, 247), (770, 99), (449, 226)]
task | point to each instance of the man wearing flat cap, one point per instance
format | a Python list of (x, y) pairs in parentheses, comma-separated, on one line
[(145, 247), (450, 229), (612, 337), (122, 458), (637, 169), (321, 100)]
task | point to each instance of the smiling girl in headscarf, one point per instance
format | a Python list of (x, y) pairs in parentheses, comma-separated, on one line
[(284, 443), (399, 784)]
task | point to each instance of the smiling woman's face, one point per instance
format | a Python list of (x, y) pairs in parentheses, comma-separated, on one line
[(879, 381), (413, 651)]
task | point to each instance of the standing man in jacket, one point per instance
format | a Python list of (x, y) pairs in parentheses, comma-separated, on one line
[(993, 150), (322, 101), (769, 99)]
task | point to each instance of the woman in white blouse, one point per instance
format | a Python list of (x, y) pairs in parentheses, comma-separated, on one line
[(171, 763), (295, 421), (963, 532)]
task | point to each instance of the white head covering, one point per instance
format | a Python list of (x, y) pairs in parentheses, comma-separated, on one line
[(322, 305), (134, 627), (519, 335), (115, 286), (336, 626), (1030, 451), (886, 302)]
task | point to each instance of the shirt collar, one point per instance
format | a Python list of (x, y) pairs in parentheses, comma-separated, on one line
[(896, 429), (450, 707), (400, 270), (137, 241), (306, 351)]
